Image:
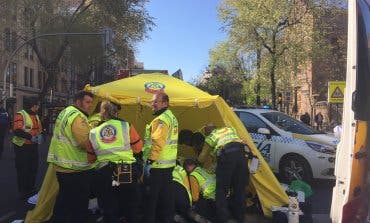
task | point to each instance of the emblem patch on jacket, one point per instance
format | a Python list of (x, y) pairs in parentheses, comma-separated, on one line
[(108, 134)]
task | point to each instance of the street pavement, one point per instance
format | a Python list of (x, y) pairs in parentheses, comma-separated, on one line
[(12, 207)]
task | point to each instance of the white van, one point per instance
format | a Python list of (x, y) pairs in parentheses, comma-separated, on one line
[(291, 148), (351, 194)]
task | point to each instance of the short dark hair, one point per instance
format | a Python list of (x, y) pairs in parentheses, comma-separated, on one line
[(185, 137), (81, 94), (197, 140), (189, 161), (29, 102)]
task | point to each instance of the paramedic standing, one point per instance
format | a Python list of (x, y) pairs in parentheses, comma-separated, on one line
[(118, 147), (27, 129), (160, 151), (231, 171), (67, 152)]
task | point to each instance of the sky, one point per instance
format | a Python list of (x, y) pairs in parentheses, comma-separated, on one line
[(185, 31)]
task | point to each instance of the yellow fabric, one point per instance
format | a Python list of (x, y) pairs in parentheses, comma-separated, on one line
[(47, 196), (193, 109)]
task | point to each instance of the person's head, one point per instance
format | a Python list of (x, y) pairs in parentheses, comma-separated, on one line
[(160, 101), (197, 140), (209, 128), (109, 110), (83, 100), (189, 165), (32, 104), (185, 137)]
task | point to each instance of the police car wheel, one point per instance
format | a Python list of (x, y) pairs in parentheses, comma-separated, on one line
[(295, 167)]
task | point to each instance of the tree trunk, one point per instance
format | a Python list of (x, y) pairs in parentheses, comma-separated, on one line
[(272, 79), (258, 84)]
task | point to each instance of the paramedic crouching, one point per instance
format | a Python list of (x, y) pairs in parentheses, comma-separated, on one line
[(231, 171)]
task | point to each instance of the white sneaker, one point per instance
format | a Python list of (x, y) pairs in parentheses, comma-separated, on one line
[(17, 221), (33, 199)]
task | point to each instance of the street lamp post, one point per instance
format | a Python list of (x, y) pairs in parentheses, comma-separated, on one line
[(106, 33)]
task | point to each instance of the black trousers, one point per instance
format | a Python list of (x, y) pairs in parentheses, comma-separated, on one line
[(3, 130), (129, 199), (26, 164), (206, 208), (106, 195), (73, 197), (129, 196), (231, 175), (181, 200), (158, 206)]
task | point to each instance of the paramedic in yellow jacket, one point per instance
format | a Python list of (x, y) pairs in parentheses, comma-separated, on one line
[(203, 189), (67, 152), (118, 147), (160, 151), (231, 171)]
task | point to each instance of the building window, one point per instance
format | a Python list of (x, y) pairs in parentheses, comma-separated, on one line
[(39, 80), (25, 76), (31, 78), (64, 85), (14, 41), (28, 52), (7, 39)]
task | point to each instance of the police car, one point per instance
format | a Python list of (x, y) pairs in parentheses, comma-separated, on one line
[(291, 148)]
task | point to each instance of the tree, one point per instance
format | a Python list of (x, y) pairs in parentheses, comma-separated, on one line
[(275, 27), (128, 18), (227, 85)]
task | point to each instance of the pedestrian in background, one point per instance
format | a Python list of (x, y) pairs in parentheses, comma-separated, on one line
[(27, 134), (118, 147), (67, 152), (305, 118), (4, 126), (319, 119), (160, 151)]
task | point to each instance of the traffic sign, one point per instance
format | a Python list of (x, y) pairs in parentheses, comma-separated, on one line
[(336, 91)]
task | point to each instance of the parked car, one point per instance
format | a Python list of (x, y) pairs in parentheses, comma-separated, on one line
[(291, 148)]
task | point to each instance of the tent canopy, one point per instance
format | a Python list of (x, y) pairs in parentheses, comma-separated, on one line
[(193, 108)]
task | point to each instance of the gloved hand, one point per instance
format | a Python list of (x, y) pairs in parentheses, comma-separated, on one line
[(147, 167), (34, 139), (39, 138)]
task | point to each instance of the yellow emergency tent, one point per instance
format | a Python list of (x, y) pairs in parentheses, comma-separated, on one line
[(193, 108)]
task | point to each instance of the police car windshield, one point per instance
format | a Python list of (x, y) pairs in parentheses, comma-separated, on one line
[(289, 124)]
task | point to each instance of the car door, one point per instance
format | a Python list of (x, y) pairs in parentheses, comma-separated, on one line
[(263, 142)]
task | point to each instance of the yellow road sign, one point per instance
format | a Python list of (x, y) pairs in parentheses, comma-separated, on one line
[(336, 91)]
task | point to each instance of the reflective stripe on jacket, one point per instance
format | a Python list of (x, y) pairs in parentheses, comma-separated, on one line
[(64, 150), (167, 157), (27, 127), (206, 181), (220, 137), (111, 142)]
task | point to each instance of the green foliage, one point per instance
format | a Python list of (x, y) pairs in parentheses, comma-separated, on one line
[(284, 33), (227, 85)]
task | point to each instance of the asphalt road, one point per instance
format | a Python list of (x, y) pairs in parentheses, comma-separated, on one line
[(11, 207)]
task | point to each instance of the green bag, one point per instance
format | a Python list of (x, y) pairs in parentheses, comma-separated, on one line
[(299, 185)]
